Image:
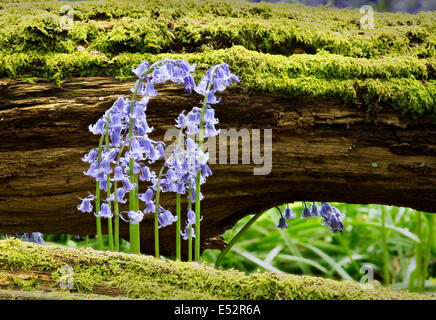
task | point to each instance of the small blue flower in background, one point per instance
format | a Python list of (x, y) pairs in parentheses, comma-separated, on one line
[(289, 214), (314, 210), (282, 224), (330, 216), (35, 237)]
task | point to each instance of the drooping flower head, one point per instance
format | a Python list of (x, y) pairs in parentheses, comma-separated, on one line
[(86, 205), (216, 78), (289, 214), (282, 224), (185, 234)]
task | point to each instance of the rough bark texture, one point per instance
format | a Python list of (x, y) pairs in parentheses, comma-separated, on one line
[(321, 151)]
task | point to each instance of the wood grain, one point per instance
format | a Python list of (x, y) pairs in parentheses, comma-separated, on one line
[(321, 151)]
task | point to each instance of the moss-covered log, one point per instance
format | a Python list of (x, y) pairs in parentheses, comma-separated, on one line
[(97, 275), (352, 111)]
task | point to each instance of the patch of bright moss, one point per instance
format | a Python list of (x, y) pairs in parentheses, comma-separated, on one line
[(402, 83), (113, 27), (145, 277), (391, 66)]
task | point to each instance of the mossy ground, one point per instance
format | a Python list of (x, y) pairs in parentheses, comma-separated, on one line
[(144, 277), (292, 49)]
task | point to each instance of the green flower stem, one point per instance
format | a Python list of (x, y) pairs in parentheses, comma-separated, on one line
[(428, 250), (156, 221), (197, 180), (178, 227), (197, 217), (116, 208), (178, 209), (97, 202), (132, 228), (189, 227), (386, 275), (235, 238), (137, 234), (116, 219), (109, 220), (108, 185), (156, 214)]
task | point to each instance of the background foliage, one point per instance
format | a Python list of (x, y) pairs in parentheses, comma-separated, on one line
[(310, 248)]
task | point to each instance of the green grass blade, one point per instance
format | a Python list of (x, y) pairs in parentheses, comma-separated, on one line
[(257, 261), (329, 260)]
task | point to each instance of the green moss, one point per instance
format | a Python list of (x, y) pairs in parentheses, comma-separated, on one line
[(152, 27), (391, 66), (145, 277), (25, 284), (402, 84)]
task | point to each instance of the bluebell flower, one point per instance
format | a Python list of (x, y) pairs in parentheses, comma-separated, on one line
[(99, 127), (35, 237), (141, 69), (185, 234), (314, 210), (306, 213), (221, 78), (289, 214), (326, 210), (148, 90), (150, 207), (282, 223), (332, 217), (147, 196), (119, 175), (91, 156), (145, 174), (105, 211), (135, 217), (86, 205), (191, 217), (121, 192), (166, 218)]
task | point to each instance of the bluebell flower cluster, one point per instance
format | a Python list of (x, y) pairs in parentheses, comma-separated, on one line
[(35, 237), (188, 159), (309, 212), (330, 216), (126, 125), (123, 160), (216, 79)]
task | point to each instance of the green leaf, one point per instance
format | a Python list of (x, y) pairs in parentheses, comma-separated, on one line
[(303, 260), (257, 261), (329, 260)]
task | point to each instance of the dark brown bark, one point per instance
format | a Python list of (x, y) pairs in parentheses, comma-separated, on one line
[(322, 151)]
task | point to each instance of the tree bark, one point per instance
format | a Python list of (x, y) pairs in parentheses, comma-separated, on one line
[(322, 150)]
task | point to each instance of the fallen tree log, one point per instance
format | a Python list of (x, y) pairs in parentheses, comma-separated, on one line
[(321, 151), (352, 114), (31, 271)]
